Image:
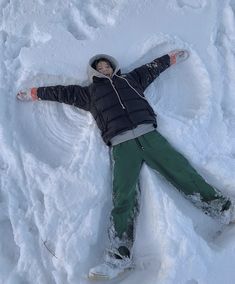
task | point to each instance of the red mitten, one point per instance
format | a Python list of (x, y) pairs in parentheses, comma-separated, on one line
[(28, 95), (178, 55)]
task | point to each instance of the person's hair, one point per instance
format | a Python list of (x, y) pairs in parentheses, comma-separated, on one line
[(95, 63)]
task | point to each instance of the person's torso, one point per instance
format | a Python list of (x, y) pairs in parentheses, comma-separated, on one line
[(117, 106)]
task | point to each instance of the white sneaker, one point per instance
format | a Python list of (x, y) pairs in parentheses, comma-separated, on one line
[(111, 267), (232, 213), (228, 216)]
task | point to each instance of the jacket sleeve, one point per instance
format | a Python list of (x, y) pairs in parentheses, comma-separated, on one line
[(147, 73), (72, 95)]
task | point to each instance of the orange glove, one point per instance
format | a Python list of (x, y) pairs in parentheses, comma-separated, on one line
[(178, 55), (28, 95)]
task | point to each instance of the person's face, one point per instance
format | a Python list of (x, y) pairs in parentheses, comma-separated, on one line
[(104, 68)]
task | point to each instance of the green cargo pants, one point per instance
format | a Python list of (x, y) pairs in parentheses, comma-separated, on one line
[(153, 149)]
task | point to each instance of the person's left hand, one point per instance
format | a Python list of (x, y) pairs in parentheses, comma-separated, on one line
[(28, 95), (178, 55)]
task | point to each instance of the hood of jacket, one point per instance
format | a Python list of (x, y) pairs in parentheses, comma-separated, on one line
[(94, 73)]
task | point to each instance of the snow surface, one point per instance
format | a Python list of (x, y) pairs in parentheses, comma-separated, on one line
[(55, 176)]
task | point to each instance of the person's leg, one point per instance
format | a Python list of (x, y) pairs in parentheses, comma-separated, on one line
[(160, 155), (127, 163)]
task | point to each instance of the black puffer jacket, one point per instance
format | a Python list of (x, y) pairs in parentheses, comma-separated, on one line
[(118, 103)]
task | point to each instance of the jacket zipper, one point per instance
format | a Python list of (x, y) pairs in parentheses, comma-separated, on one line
[(120, 101), (142, 97), (139, 144), (131, 87)]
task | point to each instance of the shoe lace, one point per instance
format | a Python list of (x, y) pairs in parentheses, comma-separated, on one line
[(114, 253)]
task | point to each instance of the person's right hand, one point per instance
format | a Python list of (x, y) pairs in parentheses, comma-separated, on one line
[(28, 95)]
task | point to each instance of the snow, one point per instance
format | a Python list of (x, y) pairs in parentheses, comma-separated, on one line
[(55, 174)]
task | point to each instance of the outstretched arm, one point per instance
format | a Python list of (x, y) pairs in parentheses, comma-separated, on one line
[(72, 95), (147, 73)]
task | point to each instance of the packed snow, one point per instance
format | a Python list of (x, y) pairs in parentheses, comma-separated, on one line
[(55, 170)]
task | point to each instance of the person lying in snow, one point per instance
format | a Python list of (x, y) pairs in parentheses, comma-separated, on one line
[(128, 125)]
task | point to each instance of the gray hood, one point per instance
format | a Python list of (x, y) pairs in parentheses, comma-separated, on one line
[(93, 72)]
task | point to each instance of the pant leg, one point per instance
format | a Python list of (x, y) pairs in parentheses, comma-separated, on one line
[(127, 164), (160, 155)]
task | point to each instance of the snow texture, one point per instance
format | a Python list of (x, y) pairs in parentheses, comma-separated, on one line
[(55, 174)]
